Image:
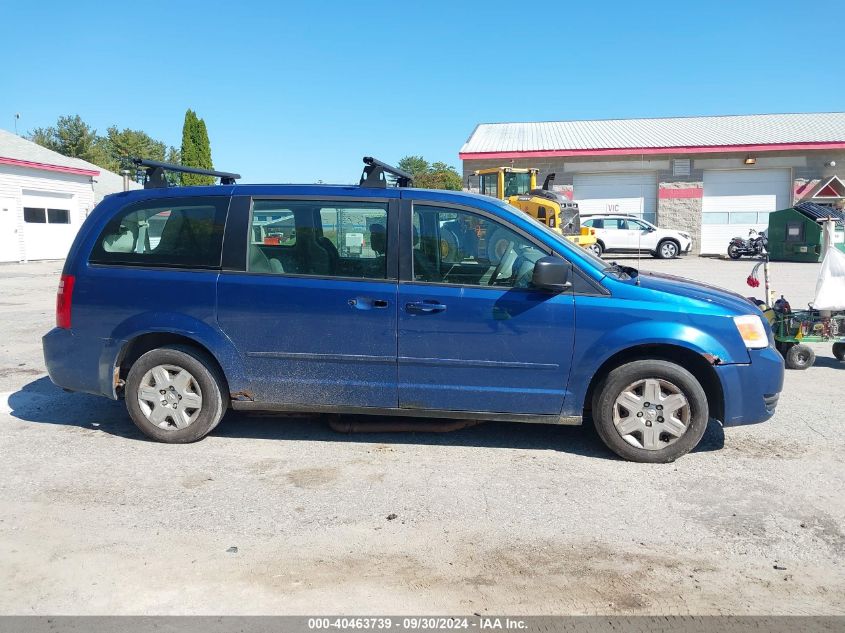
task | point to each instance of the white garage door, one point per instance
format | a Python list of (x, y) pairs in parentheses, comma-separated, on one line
[(738, 200), (50, 224), (617, 193)]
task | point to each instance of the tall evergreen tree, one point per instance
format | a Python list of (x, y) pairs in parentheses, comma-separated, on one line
[(196, 149)]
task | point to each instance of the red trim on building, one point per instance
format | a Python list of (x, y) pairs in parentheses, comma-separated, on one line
[(637, 151), (47, 167), (688, 192)]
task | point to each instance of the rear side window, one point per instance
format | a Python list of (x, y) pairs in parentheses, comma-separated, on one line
[(323, 238), (177, 232)]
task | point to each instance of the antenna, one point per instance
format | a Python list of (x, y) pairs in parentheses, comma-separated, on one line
[(639, 255)]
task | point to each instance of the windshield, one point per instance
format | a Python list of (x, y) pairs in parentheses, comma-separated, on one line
[(516, 184), (587, 256)]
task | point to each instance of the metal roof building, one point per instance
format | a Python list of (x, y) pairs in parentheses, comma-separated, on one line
[(712, 176), (756, 132)]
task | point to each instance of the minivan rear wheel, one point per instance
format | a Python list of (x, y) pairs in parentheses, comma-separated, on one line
[(650, 411), (174, 394)]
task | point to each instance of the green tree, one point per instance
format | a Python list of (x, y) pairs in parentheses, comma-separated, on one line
[(196, 149), (414, 165), (437, 175), (118, 146), (71, 136)]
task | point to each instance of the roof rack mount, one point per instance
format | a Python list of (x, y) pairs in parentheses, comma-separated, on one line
[(154, 173), (374, 174)]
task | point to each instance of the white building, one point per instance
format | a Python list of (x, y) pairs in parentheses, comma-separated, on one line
[(44, 198), (714, 177)]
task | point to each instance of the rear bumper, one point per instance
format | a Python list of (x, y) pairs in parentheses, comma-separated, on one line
[(752, 390), (77, 363)]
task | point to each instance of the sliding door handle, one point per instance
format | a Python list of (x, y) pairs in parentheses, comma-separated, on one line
[(424, 307)]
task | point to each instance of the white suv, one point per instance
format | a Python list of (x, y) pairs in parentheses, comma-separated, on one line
[(629, 233)]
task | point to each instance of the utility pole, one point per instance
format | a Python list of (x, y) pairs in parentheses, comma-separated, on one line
[(17, 116)]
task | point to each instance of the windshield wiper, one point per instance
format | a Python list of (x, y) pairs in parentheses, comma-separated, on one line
[(624, 272)]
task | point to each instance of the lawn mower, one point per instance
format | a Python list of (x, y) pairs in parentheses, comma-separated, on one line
[(822, 322)]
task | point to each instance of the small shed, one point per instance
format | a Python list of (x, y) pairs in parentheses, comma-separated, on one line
[(795, 234)]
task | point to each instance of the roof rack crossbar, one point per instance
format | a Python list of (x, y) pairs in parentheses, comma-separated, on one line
[(154, 171), (374, 174)]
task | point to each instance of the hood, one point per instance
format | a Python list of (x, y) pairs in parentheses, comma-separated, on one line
[(678, 286)]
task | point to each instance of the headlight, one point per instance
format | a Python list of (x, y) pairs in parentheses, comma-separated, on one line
[(752, 331), (684, 235)]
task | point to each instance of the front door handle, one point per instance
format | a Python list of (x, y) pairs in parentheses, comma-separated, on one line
[(424, 307)]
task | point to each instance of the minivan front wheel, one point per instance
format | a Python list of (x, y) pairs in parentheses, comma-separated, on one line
[(650, 411), (174, 395)]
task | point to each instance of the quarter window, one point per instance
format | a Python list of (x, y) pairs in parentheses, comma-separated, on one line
[(458, 247), (323, 238), (183, 233)]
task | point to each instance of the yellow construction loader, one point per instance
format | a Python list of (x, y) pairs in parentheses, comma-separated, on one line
[(518, 186)]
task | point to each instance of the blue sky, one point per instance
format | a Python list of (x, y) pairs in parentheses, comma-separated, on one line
[(296, 92)]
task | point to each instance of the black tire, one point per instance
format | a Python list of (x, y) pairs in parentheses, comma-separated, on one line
[(733, 252), (449, 245), (671, 253), (619, 379), (497, 244), (597, 248), (799, 357), (839, 351), (211, 385)]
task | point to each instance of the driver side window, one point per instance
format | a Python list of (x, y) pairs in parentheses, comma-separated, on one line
[(459, 247)]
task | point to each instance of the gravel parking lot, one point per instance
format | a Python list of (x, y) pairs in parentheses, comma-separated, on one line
[(283, 516)]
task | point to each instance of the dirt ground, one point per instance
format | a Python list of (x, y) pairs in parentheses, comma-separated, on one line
[(283, 516)]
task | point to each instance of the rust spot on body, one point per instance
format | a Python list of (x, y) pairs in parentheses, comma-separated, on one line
[(242, 396), (712, 359)]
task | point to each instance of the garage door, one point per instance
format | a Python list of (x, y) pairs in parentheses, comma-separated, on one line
[(50, 224), (617, 193), (738, 200)]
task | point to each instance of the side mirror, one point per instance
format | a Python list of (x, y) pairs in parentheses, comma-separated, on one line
[(552, 273)]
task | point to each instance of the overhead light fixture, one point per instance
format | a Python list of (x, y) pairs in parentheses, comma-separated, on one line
[(750, 160)]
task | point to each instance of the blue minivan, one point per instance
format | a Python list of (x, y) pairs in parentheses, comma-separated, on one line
[(392, 301)]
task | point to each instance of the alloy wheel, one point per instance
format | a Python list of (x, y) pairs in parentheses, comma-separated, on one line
[(668, 250)]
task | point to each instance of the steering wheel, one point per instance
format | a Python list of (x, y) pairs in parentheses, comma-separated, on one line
[(501, 263)]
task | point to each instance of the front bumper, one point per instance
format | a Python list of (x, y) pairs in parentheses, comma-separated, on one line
[(751, 391)]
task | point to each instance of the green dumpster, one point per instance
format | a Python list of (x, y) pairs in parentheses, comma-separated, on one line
[(795, 234)]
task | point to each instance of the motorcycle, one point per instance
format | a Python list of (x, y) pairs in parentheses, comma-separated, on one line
[(756, 245)]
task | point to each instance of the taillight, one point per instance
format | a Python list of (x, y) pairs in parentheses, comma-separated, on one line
[(64, 301)]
